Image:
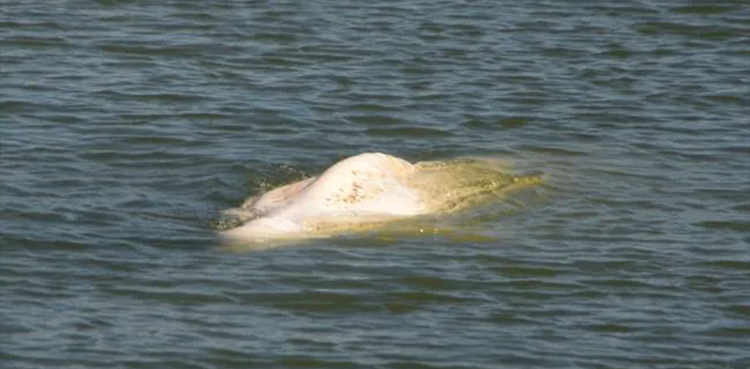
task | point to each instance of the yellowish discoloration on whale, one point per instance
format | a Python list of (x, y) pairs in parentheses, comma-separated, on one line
[(366, 192)]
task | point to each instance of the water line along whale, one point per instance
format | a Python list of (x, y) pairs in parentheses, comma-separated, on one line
[(365, 190)]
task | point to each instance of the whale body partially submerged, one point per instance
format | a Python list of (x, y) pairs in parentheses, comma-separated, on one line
[(367, 190)]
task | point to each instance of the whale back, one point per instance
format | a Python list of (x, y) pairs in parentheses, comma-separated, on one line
[(370, 191), (366, 184)]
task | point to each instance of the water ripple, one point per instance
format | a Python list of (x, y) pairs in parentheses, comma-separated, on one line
[(125, 127)]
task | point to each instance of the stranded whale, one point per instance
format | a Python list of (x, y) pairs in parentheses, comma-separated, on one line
[(366, 190)]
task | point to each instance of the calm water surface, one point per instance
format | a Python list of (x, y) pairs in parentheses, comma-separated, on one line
[(126, 126)]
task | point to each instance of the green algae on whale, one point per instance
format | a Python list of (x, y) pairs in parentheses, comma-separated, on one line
[(368, 192)]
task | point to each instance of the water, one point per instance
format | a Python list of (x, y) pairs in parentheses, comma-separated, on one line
[(126, 126)]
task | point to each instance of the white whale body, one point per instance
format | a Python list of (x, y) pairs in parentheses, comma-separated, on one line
[(365, 190)]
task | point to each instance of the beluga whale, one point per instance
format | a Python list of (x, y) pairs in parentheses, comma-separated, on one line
[(365, 192)]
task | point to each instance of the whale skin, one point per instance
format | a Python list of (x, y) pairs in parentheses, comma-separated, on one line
[(363, 191)]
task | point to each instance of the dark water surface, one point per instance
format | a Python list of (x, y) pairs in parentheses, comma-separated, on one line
[(126, 126)]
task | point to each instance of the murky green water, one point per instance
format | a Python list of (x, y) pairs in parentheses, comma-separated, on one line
[(126, 126)]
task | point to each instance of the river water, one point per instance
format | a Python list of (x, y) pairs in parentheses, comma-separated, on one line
[(127, 126)]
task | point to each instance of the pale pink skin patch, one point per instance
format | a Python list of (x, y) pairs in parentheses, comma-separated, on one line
[(366, 186)]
